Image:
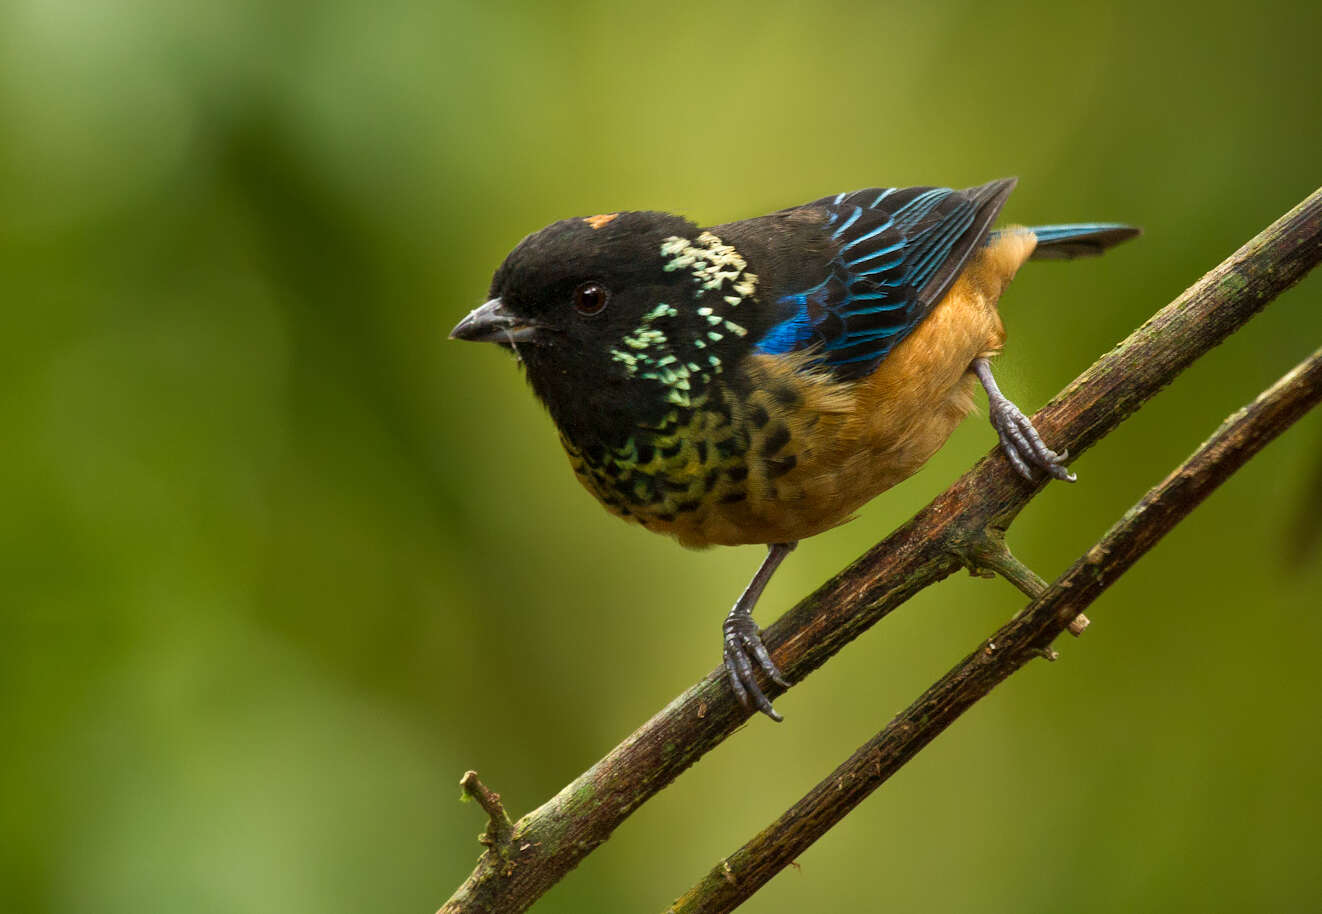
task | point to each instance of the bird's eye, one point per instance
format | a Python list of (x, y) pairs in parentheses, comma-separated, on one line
[(590, 298)]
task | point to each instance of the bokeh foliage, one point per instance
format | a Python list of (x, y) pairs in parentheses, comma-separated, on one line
[(281, 562)]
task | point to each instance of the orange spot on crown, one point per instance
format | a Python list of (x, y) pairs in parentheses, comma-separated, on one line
[(598, 221)]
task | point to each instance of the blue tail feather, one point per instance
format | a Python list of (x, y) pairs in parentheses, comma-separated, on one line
[(1080, 239)]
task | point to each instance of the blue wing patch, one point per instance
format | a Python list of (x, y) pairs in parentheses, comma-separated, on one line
[(896, 253)]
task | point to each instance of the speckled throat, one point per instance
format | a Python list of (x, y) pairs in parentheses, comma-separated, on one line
[(711, 472)]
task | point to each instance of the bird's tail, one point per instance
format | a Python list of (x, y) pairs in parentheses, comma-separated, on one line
[(1083, 239)]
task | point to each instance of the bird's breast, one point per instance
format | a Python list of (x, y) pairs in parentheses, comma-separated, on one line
[(752, 461), (668, 474)]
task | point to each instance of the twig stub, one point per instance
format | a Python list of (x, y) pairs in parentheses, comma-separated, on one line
[(499, 828)]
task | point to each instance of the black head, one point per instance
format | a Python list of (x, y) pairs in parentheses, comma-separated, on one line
[(618, 318)]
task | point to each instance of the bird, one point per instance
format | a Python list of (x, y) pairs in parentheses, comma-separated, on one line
[(758, 381)]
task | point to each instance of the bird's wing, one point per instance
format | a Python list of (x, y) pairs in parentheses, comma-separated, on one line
[(896, 252)]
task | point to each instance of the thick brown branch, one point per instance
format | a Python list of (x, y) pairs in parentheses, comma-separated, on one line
[(1030, 633), (928, 548)]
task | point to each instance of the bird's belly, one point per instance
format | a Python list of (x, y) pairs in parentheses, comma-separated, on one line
[(799, 472), (840, 465)]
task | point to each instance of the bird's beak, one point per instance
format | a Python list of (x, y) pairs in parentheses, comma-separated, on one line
[(492, 323)]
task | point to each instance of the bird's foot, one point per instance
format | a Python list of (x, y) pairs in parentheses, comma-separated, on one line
[(1021, 442), (741, 639)]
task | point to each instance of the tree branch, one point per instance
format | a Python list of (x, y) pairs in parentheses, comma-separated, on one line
[(1030, 633), (960, 525)]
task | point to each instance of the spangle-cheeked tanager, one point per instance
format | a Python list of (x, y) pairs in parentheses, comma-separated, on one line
[(759, 381)]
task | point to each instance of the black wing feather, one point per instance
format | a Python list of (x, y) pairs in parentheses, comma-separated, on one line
[(897, 253)]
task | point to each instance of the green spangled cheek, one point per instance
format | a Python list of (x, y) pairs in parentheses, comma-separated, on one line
[(648, 353)]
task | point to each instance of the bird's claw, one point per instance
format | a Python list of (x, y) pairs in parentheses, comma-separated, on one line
[(741, 639), (1023, 445)]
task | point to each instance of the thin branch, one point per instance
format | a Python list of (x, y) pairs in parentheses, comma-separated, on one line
[(928, 548), (1241, 436), (499, 828), (990, 555)]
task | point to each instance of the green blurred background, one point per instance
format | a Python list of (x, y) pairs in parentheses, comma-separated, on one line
[(281, 562)]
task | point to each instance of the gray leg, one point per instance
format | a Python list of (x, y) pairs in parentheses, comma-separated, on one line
[(742, 637), (1019, 439)]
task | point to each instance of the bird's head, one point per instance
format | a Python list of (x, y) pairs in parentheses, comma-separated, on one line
[(617, 317)]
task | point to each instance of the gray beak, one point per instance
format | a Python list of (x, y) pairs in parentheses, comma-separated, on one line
[(491, 323)]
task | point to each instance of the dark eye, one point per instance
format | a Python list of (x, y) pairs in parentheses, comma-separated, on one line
[(590, 298)]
